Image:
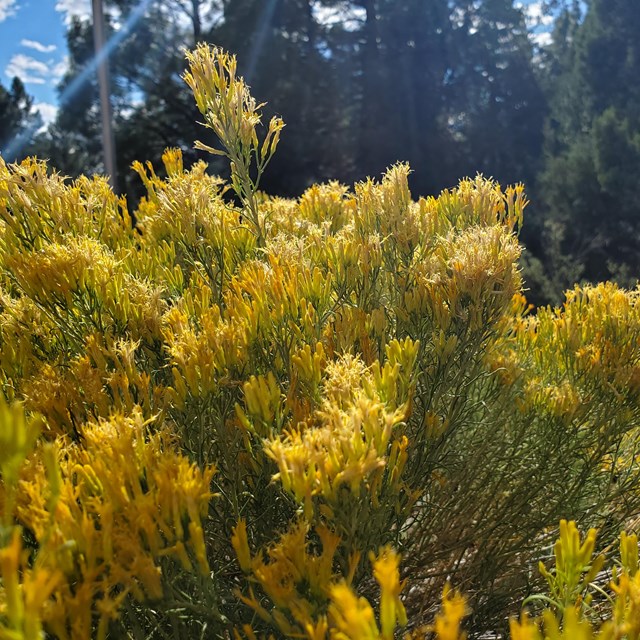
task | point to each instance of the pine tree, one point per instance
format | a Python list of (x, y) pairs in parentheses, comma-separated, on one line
[(17, 120), (593, 142), (500, 104)]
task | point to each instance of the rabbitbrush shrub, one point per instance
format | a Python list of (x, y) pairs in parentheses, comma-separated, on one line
[(255, 417)]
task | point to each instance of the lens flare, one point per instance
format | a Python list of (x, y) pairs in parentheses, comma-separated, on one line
[(18, 142), (262, 28)]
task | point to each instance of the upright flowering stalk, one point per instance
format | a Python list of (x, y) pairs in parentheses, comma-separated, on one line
[(233, 115)]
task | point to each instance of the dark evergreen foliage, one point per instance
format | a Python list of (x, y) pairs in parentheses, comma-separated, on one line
[(592, 163), (17, 122)]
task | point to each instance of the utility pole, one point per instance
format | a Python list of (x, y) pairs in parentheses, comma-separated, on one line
[(102, 59)]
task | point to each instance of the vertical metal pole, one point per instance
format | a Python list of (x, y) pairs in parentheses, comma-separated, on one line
[(108, 140)]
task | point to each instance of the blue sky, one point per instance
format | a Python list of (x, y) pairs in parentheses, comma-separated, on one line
[(33, 45)]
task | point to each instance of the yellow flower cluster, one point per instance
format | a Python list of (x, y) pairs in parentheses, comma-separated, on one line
[(26, 591), (588, 346), (575, 568), (447, 623), (309, 600), (617, 618), (571, 579), (353, 436), (104, 515), (579, 366), (39, 207), (232, 113)]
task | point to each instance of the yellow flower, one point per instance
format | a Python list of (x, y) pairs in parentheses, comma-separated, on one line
[(447, 623), (573, 627), (569, 550), (18, 434), (629, 553), (241, 545), (386, 573), (346, 448), (26, 590), (524, 629), (351, 618)]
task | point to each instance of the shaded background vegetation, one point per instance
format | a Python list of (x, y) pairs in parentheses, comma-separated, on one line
[(454, 87)]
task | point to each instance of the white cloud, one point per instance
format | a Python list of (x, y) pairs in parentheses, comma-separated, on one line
[(350, 18), (539, 22), (48, 112), (38, 46), (70, 8), (535, 15), (58, 69), (542, 39), (7, 9), (28, 69), (33, 71)]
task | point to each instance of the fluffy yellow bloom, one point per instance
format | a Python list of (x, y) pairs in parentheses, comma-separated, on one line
[(386, 573), (200, 355), (629, 553), (626, 609), (25, 591), (123, 500), (344, 449), (575, 566), (233, 115), (18, 434), (447, 623), (524, 629), (570, 550), (351, 617), (296, 580), (573, 627), (348, 440), (241, 546)]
